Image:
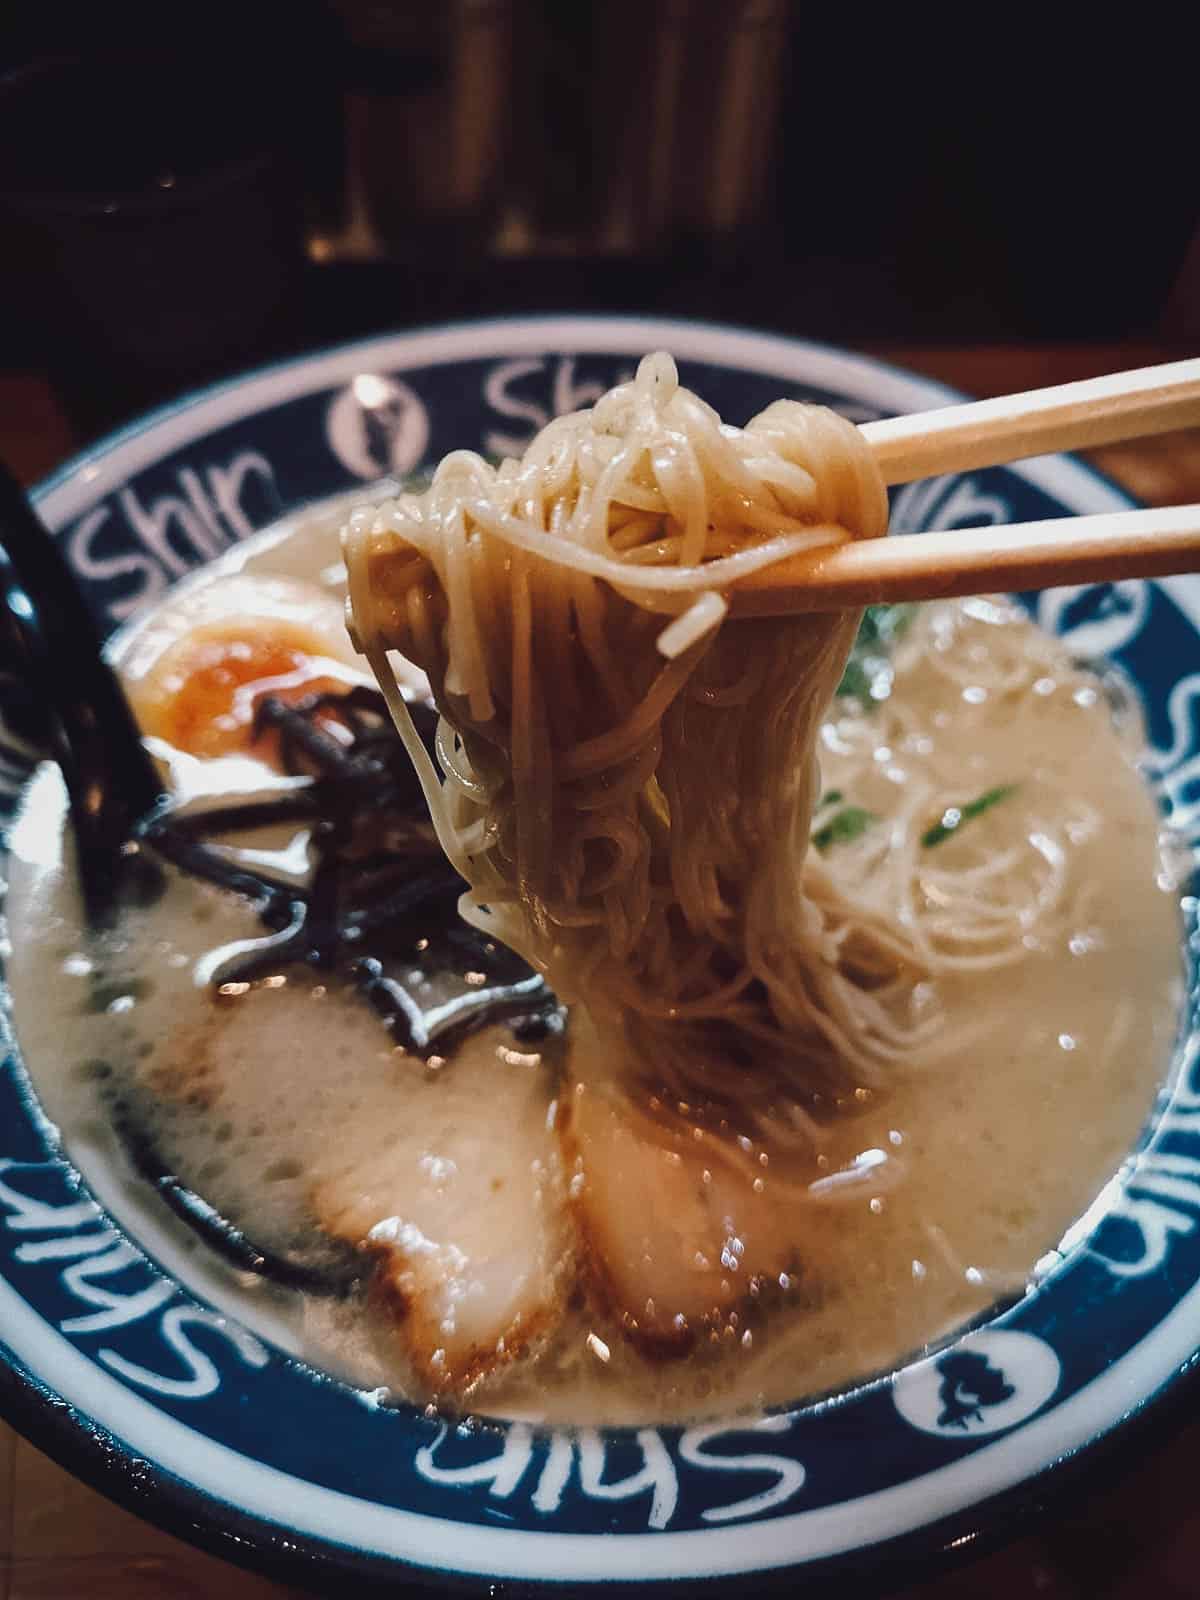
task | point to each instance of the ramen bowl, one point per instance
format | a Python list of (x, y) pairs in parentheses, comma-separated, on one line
[(118, 1360)]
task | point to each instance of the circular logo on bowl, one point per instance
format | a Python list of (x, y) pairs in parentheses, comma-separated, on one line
[(988, 1382), (377, 425)]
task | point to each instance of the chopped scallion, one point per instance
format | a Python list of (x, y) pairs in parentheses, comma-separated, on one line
[(953, 818), (848, 823)]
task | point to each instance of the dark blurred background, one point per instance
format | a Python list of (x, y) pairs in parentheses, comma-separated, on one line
[(188, 189)]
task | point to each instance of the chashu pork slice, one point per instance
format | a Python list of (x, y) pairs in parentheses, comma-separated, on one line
[(286, 1104), (676, 1233), (461, 1205)]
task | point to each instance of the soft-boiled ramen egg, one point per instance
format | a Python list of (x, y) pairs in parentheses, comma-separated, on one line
[(198, 670)]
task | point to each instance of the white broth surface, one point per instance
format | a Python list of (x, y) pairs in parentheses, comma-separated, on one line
[(430, 1201)]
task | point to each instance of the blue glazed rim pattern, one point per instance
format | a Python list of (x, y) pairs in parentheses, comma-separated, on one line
[(139, 510)]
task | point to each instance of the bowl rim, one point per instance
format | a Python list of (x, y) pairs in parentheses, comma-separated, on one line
[(98, 1457)]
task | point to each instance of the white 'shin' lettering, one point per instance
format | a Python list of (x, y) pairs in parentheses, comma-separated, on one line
[(946, 502), (84, 1249), (1160, 1199), (175, 532), (509, 392), (587, 1452)]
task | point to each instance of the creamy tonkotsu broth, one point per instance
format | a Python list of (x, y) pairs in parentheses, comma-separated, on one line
[(486, 1227)]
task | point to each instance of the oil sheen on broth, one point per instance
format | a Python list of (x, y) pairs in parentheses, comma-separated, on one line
[(287, 1107)]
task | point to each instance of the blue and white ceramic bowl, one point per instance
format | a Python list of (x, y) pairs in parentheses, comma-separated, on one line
[(169, 1407)]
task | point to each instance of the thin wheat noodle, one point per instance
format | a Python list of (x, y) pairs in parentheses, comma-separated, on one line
[(646, 822)]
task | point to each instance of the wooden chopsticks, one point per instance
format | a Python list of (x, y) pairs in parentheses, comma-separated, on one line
[(1070, 416), (962, 561), (1026, 555)]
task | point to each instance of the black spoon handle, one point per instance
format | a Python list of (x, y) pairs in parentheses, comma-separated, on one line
[(111, 779)]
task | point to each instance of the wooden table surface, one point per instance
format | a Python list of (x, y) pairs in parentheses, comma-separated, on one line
[(1137, 1536)]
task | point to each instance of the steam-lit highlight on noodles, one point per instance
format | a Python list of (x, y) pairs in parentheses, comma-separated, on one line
[(631, 800)]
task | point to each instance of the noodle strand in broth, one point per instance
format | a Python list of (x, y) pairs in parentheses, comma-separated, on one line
[(630, 797)]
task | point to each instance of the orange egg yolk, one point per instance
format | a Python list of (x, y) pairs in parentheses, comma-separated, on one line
[(209, 688)]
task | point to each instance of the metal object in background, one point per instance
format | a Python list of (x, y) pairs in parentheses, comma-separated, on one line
[(735, 67), (427, 92), (641, 122), (537, 128)]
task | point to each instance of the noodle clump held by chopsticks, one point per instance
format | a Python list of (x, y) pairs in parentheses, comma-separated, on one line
[(628, 774)]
